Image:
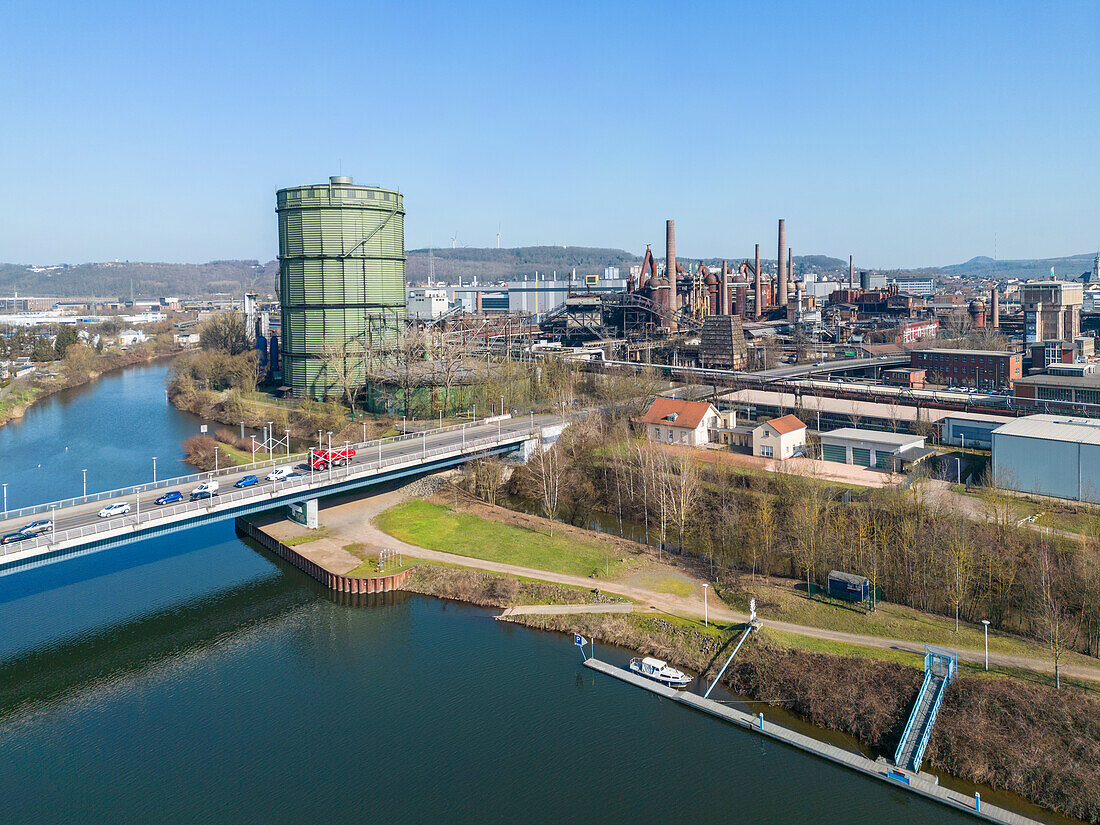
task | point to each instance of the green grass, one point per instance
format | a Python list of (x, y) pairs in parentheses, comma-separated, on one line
[(663, 583), (441, 528), (891, 621), (812, 645)]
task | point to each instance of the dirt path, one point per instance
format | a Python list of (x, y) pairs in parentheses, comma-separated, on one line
[(353, 521), (564, 609)]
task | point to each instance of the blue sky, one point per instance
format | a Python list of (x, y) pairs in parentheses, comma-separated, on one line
[(905, 134)]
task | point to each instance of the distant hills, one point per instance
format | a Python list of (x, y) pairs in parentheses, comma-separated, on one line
[(112, 280), (985, 268)]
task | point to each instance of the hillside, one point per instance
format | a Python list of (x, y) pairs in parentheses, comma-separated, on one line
[(149, 280), (1067, 267)]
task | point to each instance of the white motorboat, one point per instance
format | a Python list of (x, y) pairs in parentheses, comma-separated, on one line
[(659, 671)]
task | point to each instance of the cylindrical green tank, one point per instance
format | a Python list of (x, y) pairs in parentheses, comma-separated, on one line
[(342, 281)]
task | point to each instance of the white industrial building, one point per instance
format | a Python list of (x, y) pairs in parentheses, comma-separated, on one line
[(426, 303), (1050, 455)]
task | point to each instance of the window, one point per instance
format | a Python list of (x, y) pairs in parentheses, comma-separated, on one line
[(766, 450)]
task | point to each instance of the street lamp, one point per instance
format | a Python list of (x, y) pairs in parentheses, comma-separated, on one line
[(329, 461), (242, 430), (5, 501), (85, 474), (271, 438), (253, 449), (347, 461), (986, 623), (958, 472), (705, 617), (154, 470)]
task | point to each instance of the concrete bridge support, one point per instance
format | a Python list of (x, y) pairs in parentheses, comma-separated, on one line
[(304, 513)]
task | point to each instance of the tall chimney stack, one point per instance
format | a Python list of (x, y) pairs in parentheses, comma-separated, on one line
[(995, 307), (724, 291), (780, 269), (851, 274), (670, 252), (759, 286)]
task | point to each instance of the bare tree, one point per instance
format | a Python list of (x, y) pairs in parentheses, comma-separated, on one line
[(342, 363), (960, 568), (548, 467), (1053, 618), (683, 486)]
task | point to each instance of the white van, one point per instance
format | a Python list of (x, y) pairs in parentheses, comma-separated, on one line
[(280, 474), (206, 487)]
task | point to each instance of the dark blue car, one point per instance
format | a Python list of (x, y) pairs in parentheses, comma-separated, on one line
[(247, 481), (199, 495), (14, 537), (170, 497)]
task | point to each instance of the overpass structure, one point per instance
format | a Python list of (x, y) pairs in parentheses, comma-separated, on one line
[(78, 529)]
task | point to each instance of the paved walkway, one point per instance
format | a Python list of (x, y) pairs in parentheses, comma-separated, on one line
[(352, 521), (809, 467)]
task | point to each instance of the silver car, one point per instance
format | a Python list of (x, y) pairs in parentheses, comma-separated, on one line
[(112, 510), (35, 528)]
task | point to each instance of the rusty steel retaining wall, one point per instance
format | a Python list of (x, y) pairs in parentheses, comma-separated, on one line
[(341, 584)]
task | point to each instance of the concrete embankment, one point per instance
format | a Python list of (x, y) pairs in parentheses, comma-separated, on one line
[(316, 569), (922, 783)]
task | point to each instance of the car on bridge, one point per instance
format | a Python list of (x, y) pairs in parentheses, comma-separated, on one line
[(11, 538), (199, 495), (320, 459), (171, 497), (43, 525), (112, 510), (283, 473), (247, 481)]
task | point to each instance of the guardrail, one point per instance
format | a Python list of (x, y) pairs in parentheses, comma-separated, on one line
[(918, 755), (314, 480), (912, 718), (236, 469)]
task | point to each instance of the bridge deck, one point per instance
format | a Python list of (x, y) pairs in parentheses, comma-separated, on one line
[(77, 527)]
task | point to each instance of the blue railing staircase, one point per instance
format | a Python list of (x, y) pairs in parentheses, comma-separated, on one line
[(939, 668)]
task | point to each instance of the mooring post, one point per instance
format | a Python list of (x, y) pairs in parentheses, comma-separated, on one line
[(761, 721), (977, 801)]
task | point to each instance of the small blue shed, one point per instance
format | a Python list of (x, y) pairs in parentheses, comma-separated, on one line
[(848, 586)]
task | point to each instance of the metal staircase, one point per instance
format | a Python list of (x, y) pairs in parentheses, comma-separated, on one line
[(939, 668)]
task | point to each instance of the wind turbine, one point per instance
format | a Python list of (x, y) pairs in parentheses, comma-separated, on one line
[(498, 236), (454, 240)]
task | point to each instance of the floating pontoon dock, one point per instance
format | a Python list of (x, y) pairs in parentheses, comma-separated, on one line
[(924, 784)]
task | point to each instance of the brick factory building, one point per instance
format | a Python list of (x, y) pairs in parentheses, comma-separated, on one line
[(972, 368)]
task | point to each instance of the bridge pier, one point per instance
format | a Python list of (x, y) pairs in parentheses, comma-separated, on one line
[(304, 513)]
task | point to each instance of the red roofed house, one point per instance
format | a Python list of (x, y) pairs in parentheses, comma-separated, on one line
[(779, 438), (672, 421)]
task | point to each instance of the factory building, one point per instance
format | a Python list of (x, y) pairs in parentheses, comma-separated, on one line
[(972, 368), (1049, 455), (1078, 389), (915, 286), (1052, 310), (342, 280), (893, 452), (426, 303)]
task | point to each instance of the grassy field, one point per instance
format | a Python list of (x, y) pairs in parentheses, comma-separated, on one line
[(440, 528), (890, 621)]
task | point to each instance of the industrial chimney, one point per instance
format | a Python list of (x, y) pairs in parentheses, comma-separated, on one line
[(851, 274), (781, 271), (995, 308), (670, 262), (759, 285), (724, 291)]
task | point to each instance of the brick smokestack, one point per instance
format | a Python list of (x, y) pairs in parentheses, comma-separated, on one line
[(670, 261), (995, 308), (724, 291), (780, 269), (759, 285)]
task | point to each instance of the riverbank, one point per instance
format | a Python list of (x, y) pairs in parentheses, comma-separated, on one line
[(1050, 757), (23, 393)]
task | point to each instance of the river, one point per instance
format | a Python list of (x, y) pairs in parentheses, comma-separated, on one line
[(192, 678)]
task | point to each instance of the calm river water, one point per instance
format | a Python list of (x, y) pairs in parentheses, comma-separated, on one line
[(191, 678)]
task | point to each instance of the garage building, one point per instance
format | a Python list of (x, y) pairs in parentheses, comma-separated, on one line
[(893, 452)]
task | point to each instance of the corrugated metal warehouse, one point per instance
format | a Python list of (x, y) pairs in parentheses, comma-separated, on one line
[(1050, 455)]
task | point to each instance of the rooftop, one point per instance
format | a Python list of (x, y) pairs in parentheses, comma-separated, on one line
[(676, 413), (1091, 380), (786, 424), (874, 436), (968, 351), (1054, 428)]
